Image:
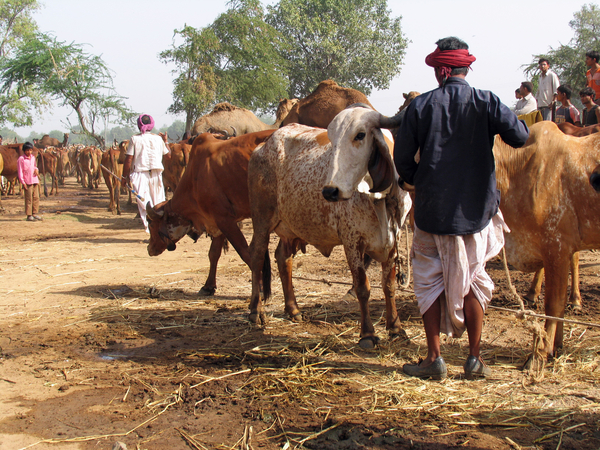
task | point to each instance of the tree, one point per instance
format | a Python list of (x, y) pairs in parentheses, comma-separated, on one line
[(195, 85), (67, 73), (568, 61), (251, 66), (17, 106), (354, 42)]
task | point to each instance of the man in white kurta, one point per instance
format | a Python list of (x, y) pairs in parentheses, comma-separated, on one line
[(143, 165)]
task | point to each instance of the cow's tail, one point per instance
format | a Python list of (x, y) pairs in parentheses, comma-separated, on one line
[(266, 277), (43, 173)]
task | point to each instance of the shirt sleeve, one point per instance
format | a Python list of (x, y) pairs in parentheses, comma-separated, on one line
[(406, 145), (505, 123), (20, 163)]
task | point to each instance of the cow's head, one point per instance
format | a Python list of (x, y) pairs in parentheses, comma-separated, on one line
[(359, 149), (166, 228)]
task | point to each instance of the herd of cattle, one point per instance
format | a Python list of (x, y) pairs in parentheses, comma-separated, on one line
[(323, 175)]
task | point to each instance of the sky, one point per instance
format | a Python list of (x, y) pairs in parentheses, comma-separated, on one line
[(129, 35)]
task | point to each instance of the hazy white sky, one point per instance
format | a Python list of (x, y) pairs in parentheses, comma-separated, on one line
[(129, 34)]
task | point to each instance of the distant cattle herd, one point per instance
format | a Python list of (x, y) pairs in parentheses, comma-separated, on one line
[(236, 167)]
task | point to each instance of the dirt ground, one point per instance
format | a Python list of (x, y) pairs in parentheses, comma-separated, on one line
[(101, 343)]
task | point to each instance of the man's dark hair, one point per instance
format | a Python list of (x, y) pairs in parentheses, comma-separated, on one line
[(593, 54), (517, 91), (544, 60), (27, 146), (527, 85), (453, 43), (587, 91), (565, 89), (146, 120)]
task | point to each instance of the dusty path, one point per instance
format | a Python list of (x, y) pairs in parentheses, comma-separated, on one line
[(101, 343)]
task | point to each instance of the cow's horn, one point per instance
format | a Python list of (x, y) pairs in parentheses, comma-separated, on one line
[(391, 122), (152, 214), (234, 132)]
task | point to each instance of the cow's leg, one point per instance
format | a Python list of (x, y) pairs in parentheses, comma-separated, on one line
[(284, 255), (388, 282), (258, 249), (214, 253), (354, 256), (536, 286), (351, 294), (555, 299), (575, 298), (234, 235), (116, 196)]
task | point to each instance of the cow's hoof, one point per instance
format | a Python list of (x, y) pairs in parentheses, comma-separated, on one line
[(398, 334), (207, 292), (258, 318), (368, 342), (296, 318)]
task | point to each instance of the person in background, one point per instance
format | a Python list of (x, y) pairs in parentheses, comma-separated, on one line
[(593, 73), (143, 165), (547, 85), (0, 140), (458, 226), (28, 176), (566, 112), (528, 103), (591, 111)]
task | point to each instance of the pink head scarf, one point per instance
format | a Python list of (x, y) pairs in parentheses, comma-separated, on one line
[(446, 60), (143, 126)]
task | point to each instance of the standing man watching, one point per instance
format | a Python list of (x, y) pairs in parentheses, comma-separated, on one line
[(527, 104), (458, 226), (593, 73), (591, 111), (547, 85), (143, 165)]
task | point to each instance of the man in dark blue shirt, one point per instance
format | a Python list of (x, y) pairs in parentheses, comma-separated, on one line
[(444, 148)]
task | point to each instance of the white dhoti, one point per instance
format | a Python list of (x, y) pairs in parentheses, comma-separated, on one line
[(455, 264), (149, 185)]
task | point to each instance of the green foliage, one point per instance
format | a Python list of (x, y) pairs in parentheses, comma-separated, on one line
[(251, 70), (65, 72), (195, 85), (353, 42), (568, 61)]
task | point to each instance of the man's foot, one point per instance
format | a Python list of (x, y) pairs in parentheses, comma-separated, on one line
[(437, 370), (476, 368), (30, 219), (36, 217)]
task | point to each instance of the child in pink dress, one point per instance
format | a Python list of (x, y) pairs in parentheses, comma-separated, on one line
[(28, 176)]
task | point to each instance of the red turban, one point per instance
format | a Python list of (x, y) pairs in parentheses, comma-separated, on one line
[(446, 60)]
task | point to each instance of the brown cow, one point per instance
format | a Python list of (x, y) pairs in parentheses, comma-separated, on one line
[(89, 165), (320, 107), (47, 141), (551, 202), (110, 161), (212, 196), (47, 163), (10, 154), (175, 165), (574, 130)]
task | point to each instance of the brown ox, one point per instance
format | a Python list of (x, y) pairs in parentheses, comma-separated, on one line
[(175, 165), (47, 163), (212, 196), (63, 164), (230, 118), (550, 201), (9, 155), (89, 165), (573, 130), (320, 107), (303, 186), (47, 141), (110, 161)]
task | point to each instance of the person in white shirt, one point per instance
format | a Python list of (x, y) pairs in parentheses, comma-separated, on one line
[(528, 103), (143, 165), (547, 85)]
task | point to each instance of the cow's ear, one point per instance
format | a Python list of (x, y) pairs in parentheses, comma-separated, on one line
[(381, 166), (152, 213)]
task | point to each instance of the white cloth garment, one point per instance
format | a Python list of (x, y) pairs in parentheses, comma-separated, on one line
[(149, 185), (526, 105), (455, 264)]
